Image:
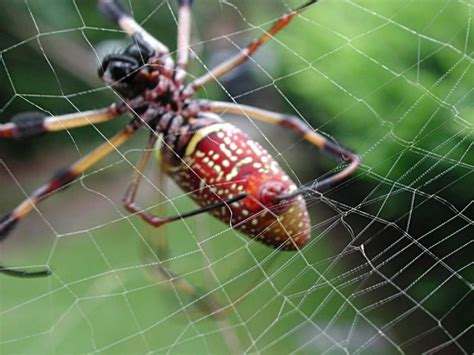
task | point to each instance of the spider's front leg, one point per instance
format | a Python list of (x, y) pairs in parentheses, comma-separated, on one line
[(115, 12), (28, 124)]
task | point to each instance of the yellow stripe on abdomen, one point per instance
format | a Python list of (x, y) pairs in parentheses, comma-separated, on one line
[(202, 133)]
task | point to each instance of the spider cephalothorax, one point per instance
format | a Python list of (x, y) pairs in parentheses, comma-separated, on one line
[(225, 172), (130, 73)]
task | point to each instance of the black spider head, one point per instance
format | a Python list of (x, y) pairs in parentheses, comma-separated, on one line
[(126, 72), (140, 51)]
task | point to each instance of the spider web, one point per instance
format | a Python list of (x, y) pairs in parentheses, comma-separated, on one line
[(388, 268)]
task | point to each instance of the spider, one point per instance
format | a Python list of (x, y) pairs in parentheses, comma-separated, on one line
[(225, 172)]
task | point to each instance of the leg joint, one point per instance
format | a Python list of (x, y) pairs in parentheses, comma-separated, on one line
[(28, 124), (294, 124), (61, 179), (341, 152)]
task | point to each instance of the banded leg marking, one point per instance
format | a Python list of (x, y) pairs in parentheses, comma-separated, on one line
[(28, 124)]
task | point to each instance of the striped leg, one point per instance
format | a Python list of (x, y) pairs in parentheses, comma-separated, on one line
[(184, 33), (115, 12), (60, 180), (295, 124), (29, 124), (246, 53)]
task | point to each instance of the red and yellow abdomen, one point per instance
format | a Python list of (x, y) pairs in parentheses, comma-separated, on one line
[(221, 162)]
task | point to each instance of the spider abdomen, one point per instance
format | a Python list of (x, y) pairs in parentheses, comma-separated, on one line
[(221, 162)]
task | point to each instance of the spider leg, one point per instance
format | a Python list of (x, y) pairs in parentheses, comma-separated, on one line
[(297, 125), (184, 33), (129, 198), (173, 123), (28, 124), (60, 180), (160, 270), (157, 221), (202, 299), (247, 52), (204, 302), (115, 12)]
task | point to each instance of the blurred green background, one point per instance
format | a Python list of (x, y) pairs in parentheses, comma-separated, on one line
[(388, 268)]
